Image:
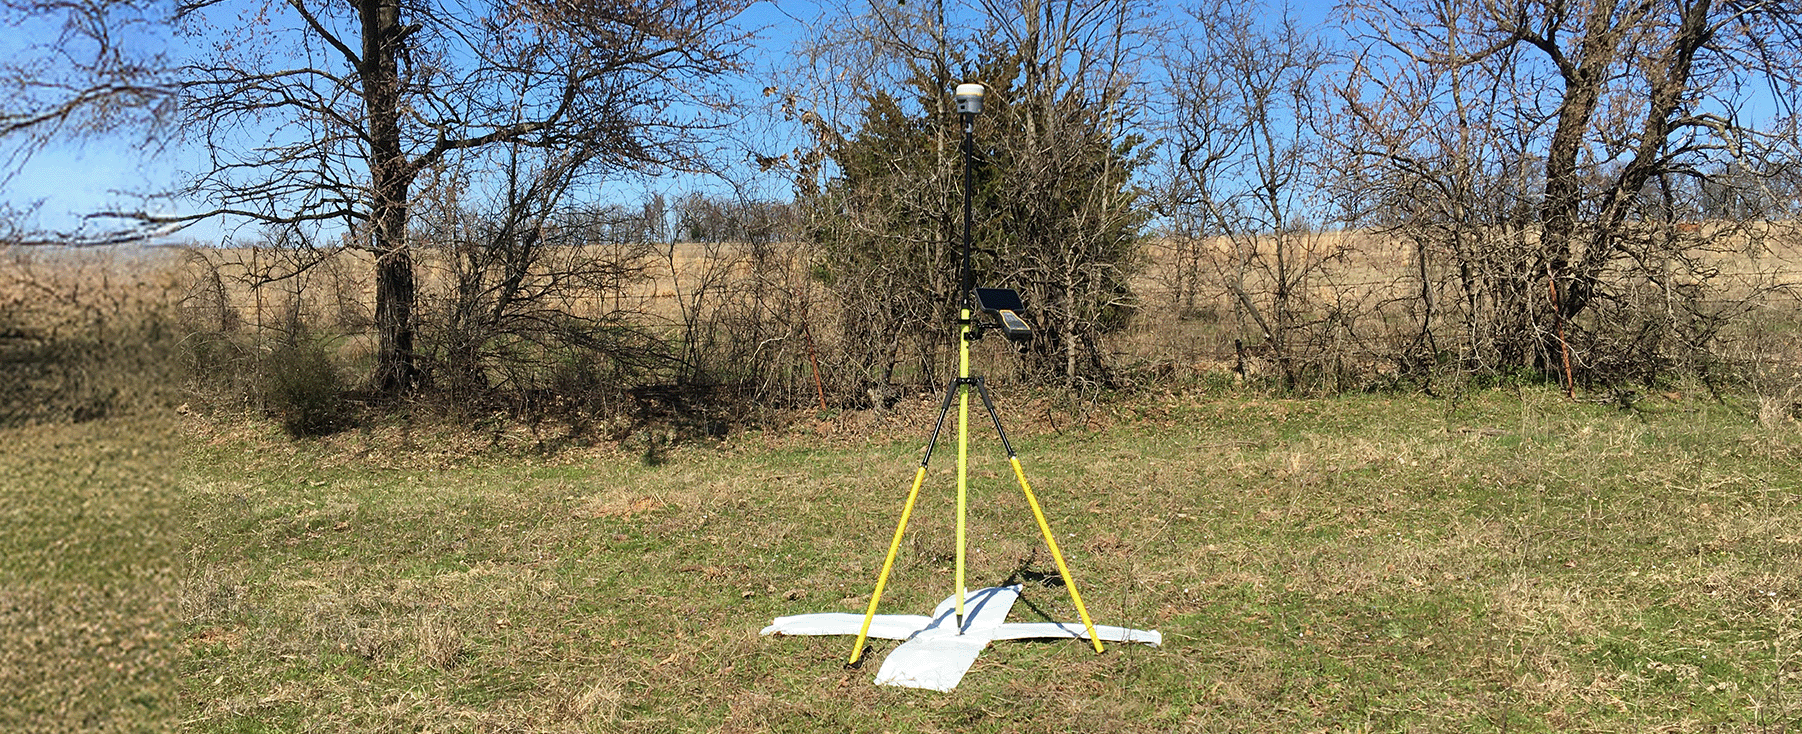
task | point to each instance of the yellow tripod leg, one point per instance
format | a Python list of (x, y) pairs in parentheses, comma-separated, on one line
[(888, 564), (1062, 569), (963, 448), (963, 451)]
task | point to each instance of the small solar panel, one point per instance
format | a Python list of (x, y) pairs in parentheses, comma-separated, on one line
[(999, 299)]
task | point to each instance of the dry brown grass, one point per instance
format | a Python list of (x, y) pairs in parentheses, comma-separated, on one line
[(86, 334), (1371, 290), (338, 292), (206, 293)]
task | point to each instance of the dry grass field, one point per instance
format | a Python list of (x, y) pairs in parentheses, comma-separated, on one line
[(1190, 319)]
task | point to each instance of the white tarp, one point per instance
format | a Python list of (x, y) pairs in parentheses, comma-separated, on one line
[(933, 654)]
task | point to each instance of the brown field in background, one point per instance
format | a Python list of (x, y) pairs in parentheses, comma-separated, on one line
[(1186, 323)]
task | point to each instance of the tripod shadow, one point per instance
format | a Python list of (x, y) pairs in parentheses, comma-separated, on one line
[(1023, 574)]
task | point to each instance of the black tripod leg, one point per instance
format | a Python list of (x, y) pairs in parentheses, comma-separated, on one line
[(982, 388), (894, 546), (1038, 514), (944, 409)]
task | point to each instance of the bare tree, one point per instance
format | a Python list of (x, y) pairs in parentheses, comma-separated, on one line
[(1242, 190), (1537, 144), (534, 282), (328, 113), (1070, 217)]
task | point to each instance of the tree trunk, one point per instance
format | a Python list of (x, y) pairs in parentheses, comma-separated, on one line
[(1584, 78), (1669, 72), (397, 367), (1670, 88), (1072, 320)]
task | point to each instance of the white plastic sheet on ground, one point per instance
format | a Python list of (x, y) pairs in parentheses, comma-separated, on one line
[(933, 655)]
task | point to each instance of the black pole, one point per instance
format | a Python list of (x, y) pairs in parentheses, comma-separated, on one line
[(969, 285)]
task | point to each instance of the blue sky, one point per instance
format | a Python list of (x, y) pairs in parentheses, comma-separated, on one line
[(73, 179), (69, 180)]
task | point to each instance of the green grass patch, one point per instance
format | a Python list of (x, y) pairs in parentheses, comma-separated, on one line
[(1505, 562), (90, 564)]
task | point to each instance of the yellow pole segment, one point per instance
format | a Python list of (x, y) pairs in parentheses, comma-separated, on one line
[(963, 449), (1045, 528), (888, 563)]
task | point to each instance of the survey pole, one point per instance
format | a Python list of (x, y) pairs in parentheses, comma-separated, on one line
[(969, 104)]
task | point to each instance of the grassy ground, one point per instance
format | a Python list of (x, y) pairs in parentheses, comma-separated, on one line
[(90, 558), (1505, 562)]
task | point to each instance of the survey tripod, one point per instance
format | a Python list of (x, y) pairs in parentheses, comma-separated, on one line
[(1002, 307)]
